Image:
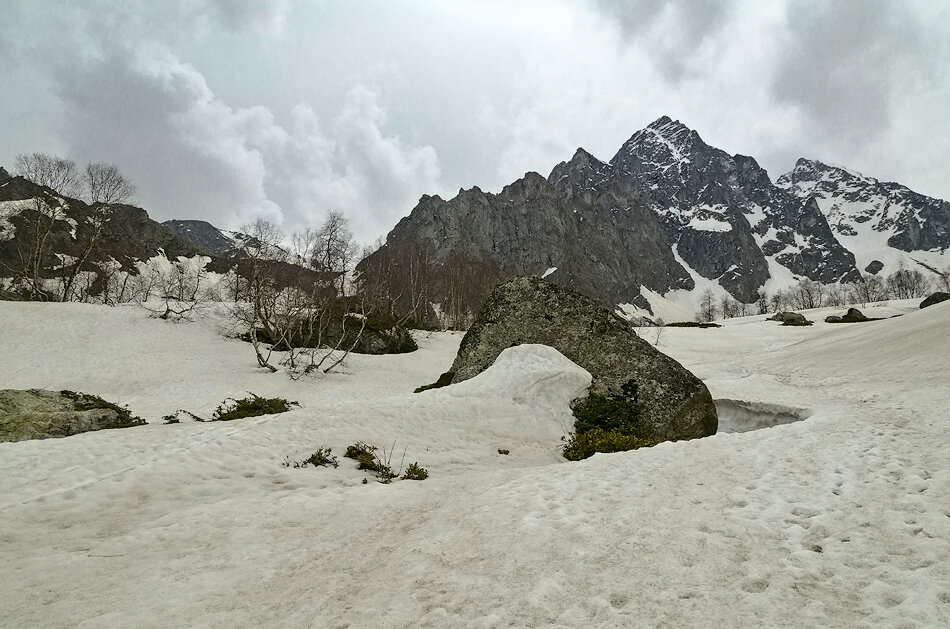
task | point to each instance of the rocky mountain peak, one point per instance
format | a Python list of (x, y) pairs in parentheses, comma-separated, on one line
[(582, 173), (665, 145)]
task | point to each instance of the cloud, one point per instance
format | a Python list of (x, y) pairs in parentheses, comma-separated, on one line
[(134, 102), (230, 110)]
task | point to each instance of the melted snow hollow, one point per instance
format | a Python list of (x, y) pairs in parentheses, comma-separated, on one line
[(840, 519)]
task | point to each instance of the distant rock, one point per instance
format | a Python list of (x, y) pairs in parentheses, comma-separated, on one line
[(40, 414), (669, 400), (874, 267), (790, 318), (852, 316), (863, 210), (203, 235), (936, 298)]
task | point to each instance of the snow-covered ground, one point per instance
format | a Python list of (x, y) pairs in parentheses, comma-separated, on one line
[(842, 519)]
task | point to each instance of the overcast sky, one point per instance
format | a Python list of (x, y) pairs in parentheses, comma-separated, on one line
[(229, 110)]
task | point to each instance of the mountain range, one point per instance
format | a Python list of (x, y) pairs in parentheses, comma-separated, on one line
[(666, 218), (669, 215)]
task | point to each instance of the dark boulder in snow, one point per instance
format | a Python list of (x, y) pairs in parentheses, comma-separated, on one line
[(852, 316), (670, 402), (874, 267), (40, 414), (790, 318), (936, 298)]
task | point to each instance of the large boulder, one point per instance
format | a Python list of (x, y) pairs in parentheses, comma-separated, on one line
[(670, 402), (852, 316), (790, 318), (40, 414), (936, 298)]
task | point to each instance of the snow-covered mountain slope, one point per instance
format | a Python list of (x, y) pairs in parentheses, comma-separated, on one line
[(882, 223), (841, 519), (724, 215)]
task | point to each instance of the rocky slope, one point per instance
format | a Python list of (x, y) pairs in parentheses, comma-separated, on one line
[(66, 227), (205, 236), (723, 215), (875, 220), (667, 211)]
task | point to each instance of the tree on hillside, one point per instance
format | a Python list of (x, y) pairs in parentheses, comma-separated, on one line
[(290, 302), (334, 248), (907, 283), (871, 288), (398, 279), (105, 184), (105, 187), (807, 294), (101, 184), (707, 307), (56, 173)]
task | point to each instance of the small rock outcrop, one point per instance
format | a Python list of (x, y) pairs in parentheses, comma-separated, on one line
[(790, 318), (670, 402), (936, 298), (41, 414), (852, 316)]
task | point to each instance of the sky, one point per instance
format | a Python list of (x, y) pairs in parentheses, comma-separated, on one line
[(233, 110)]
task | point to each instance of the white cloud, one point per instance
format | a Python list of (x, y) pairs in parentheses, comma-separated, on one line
[(287, 109)]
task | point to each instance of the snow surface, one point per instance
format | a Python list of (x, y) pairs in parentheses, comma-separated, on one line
[(839, 520), (549, 271), (709, 224)]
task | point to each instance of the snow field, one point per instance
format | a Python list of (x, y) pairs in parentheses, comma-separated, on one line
[(842, 519)]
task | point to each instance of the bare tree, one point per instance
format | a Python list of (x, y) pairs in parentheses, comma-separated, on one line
[(871, 288), (57, 173), (907, 283), (335, 250), (707, 307), (807, 294), (294, 309), (105, 184), (105, 187)]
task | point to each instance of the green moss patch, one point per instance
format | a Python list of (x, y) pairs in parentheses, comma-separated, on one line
[(40, 414), (607, 423), (252, 406)]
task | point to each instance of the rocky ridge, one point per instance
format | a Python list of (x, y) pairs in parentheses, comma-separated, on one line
[(874, 219)]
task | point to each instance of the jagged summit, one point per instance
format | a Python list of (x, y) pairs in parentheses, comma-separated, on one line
[(669, 128), (583, 173), (664, 143)]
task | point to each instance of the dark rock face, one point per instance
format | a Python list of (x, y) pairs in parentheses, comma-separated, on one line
[(672, 402), (725, 216), (936, 298), (605, 242), (39, 414), (874, 267)]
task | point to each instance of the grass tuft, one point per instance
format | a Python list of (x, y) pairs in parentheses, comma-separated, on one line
[(252, 406)]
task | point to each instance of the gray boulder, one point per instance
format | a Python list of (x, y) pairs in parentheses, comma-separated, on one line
[(936, 298), (40, 414), (790, 318), (852, 316), (670, 402)]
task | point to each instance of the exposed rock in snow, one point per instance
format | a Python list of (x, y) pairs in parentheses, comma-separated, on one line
[(672, 402), (935, 298), (39, 414)]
